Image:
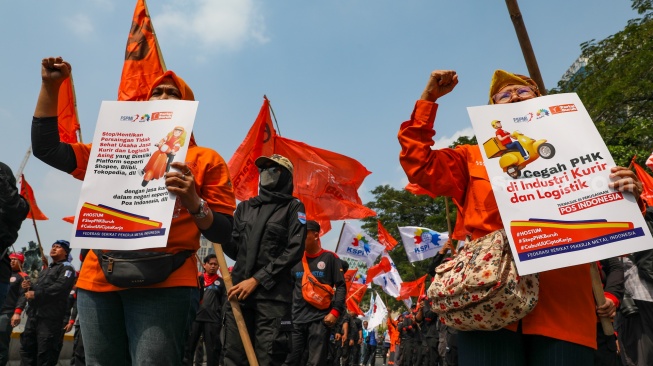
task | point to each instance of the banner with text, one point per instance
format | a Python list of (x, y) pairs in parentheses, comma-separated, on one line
[(550, 169), (124, 195)]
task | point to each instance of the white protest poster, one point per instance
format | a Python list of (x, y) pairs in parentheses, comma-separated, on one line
[(124, 204), (549, 169)]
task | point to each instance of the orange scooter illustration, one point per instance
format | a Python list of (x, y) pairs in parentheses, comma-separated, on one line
[(167, 148), (520, 151)]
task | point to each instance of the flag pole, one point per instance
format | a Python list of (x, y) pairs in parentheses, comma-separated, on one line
[(38, 238), (19, 172), (235, 306), (273, 115), (525, 44), (79, 130), (340, 236), (534, 71)]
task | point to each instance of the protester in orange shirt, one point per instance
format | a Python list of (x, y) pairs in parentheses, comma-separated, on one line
[(563, 324), (142, 325)]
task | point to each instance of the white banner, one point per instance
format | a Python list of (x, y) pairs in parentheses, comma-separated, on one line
[(550, 169), (421, 243), (357, 245), (124, 203), (379, 312)]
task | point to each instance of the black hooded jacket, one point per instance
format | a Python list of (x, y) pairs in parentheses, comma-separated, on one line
[(13, 210)]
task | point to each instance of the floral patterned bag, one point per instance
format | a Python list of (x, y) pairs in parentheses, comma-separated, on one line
[(480, 289)]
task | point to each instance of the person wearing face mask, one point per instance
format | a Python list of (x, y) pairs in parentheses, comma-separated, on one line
[(267, 241)]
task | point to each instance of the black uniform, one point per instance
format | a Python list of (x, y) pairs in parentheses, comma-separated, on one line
[(45, 313), (208, 321), (8, 308), (338, 348), (429, 337), (355, 351), (265, 248), (13, 210), (309, 332)]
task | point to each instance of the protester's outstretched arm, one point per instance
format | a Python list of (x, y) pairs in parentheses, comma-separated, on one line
[(54, 70)]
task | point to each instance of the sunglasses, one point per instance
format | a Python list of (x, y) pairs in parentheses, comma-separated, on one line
[(506, 96)]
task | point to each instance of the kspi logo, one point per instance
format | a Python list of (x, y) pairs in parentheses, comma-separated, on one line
[(523, 119)]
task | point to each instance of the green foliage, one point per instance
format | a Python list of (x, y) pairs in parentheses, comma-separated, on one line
[(616, 87)]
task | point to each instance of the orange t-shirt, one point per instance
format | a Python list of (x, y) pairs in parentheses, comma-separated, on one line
[(213, 184), (566, 307)]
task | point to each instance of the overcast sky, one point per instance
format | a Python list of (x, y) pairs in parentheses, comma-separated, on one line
[(341, 75)]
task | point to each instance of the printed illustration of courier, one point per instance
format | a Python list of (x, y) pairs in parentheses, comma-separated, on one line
[(515, 150)]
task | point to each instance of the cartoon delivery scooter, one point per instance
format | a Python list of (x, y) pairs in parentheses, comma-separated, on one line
[(516, 150)]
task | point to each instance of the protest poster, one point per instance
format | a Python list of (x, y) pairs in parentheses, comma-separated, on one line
[(124, 204), (549, 170)]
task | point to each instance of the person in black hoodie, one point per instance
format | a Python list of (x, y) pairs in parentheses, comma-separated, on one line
[(267, 241), (10, 313), (13, 211), (208, 321), (311, 326)]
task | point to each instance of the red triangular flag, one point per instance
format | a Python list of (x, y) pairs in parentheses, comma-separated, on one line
[(384, 266), (143, 59), (70, 219), (385, 238), (244, 174), (67, 112), (349, 277), (354, 297), (647, 184), (413, 288), (326, 182), (27, 192)]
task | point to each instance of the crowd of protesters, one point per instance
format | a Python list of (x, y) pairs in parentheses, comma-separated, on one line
[(289, 290)]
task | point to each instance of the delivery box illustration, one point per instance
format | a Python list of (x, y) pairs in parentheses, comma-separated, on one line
[(515, 150)]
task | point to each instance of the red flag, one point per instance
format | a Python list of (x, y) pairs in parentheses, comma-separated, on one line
[(354, 297), (647, 184), (384, 266), (459, 231), (413, 288), (385, 238), (349, 277), (326, 182), (143, 59), (244, 174), (70, 219), (67, 112), (27, 192)]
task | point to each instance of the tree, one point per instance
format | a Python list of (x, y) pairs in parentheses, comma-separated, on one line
[(401, 208), (616, 86)]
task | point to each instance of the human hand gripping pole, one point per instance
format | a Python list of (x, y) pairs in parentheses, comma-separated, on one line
[(238, 315)]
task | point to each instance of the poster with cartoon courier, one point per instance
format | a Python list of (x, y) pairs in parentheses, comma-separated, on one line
[(124, 204), (549, 170)]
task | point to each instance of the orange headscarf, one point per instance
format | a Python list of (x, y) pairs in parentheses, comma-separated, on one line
[(186, 92), (503, 78)]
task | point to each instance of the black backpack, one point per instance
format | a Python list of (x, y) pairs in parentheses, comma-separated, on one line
[(644, 259)]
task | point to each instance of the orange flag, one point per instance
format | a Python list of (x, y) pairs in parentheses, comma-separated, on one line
[(647, 184), (385, 238), (259, 141), (349, 277), (413, 288), (384, 266), (143, 59), (326, 182), (27, 192), (354, 297), (67, 112), (70, 219)]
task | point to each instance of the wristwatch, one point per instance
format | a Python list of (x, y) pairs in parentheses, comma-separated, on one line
[(202, 211)]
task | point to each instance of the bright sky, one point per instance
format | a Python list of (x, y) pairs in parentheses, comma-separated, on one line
[(341, 75)]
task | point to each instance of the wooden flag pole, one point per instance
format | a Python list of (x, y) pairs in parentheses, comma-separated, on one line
[(38, 239), (534, 71), (235, 306), (525, 44), (599, 296)]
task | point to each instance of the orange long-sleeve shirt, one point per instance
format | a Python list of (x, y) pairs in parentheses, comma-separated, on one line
[(566, 308)]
